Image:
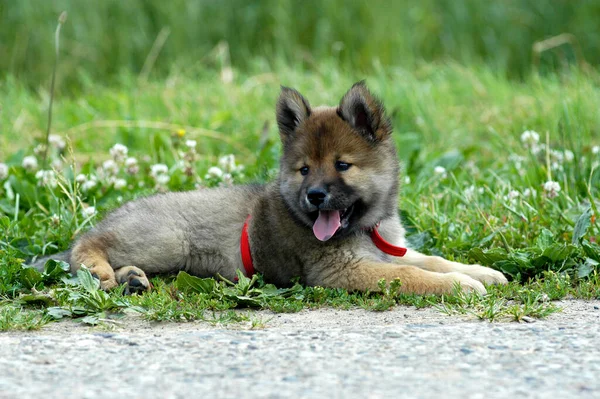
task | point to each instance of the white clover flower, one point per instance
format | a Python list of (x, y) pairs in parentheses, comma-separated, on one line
[(214, 172), (227, 163), (3, 171), (556, 166), (440, 171), (160, 173), (556, 160), (46, 178), (596, 149), (551, 188), (530, 137), (469, 192), (406, 179), (158, 169), (119, 184), (472, 167), (530, 140), (517, 160), (110, 167), (55, 220), (131, 166), (512, 196), (569, 156), (57, 164), (530, 192), (39, 149), (227, 179), (89, 184), (56, 141), (191, 144), (81, 178), (89, 211), (118, 152), (30, 163), (162, 179), (556, 156)]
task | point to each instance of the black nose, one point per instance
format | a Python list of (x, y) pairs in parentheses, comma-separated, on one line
[(316, 196)]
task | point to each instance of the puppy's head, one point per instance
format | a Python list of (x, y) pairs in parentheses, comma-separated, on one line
[(339, 170)]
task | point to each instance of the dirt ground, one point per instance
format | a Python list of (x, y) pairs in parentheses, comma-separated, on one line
[(326, 352)]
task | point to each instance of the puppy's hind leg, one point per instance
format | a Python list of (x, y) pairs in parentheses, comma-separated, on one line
[(91, 252), (134, 277)]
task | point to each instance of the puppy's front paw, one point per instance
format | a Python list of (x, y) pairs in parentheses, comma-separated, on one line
[(467, 284), (484, 274)]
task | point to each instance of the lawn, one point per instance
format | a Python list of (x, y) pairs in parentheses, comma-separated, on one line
[(496, 171)]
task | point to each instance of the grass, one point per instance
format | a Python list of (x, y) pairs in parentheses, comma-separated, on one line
[(473, 189)]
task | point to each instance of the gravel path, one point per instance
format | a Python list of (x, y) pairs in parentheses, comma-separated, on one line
[(323, 353)]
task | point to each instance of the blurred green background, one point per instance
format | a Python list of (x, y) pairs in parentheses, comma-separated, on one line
[(104, 38)]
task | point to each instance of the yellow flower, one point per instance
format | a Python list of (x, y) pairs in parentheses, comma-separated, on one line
[(181, 132)]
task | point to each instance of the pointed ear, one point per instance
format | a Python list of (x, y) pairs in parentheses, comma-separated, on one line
[(292, 109), (364, 112)]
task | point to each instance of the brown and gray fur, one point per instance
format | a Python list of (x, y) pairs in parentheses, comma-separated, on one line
[(199, 231)]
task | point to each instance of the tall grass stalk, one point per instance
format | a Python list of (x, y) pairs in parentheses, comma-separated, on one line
[(61, 20)]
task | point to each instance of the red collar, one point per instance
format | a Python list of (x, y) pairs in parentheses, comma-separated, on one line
[(377, 239), (385, 246), (245, 249)]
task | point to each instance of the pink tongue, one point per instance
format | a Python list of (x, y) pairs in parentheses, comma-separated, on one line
[(326, 225)]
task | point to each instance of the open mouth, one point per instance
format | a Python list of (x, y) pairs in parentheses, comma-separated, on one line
[(328, 222)]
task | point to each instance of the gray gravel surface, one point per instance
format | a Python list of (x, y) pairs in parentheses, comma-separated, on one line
[(322, 353)]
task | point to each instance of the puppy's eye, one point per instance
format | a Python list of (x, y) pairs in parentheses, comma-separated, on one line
[(342, 166), (304, 170)]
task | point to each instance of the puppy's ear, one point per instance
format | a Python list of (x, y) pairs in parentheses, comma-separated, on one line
[(292, 109), (365, 113)]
